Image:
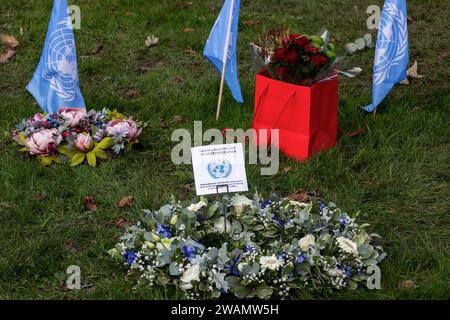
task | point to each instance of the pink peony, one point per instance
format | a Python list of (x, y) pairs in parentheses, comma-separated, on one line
[(44, 142), (72, 116), (128, 128), (84, 142)]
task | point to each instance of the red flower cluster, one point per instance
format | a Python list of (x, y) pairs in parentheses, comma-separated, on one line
[(298, 58)]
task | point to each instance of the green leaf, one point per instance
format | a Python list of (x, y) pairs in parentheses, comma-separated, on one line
[(212, 210), (263, 292), (77, 158), (106, 143), (65, 150), (91, 158), (101, 154), (46, 161)]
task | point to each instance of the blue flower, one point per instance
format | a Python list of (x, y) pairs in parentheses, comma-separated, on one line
[(232, 266), (188, 252), (265, 204), (321, 205), (163, 231), (282, 255), (249, 248), (129, 257), (342, 221), (301, 258)]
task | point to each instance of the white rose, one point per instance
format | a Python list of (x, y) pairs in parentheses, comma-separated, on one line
[(197, 206), (239, 202), (271, 262), (307, 241), (347, 245), (219, 225), (191, 274)]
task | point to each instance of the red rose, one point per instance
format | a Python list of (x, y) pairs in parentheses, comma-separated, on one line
[(319, 60), (279, 53), (282, 72), (301, 42), (294, 36), (311, 49), (66, 133), (291, 57), (286, 42)]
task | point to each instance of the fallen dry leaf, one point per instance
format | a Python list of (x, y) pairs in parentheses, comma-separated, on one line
[(356, 133), (444, 54), (413, 72), (407, 284), (89, 203), (126, 202), (97, 49), (185, 5), (188, 30), (131, 94), (151, 41), (286, 169), (249, 23), (164, 124), (121, 223), (178, 119), (40, 196), (300, 196), (9, 41), (191, 51), (179, 78), (7, 55)]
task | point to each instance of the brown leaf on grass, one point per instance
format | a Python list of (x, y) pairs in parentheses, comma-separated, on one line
[(164, 124), (300, 196), (286, 169), (407, 284), (413, 72), (188, 30), (144, 68), (444, 54), (191, 51), (178, 119), (9, 41), (151, 41), (249, 23), (89, 203), (355, 133), (97, 49), (7, 55), (126, 202), (40, 196), (131, 94), (121, 223), (179, 78), (186, 190), (185, 5)]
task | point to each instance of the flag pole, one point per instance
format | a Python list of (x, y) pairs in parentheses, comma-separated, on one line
[(225, 59)]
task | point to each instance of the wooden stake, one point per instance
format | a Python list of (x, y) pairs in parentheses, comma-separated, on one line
[(225, 59)]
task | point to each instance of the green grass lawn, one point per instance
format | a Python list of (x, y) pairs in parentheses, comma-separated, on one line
[(396, 174)]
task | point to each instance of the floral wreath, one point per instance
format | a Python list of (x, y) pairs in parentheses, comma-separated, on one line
[(75, 136), (248, 248)]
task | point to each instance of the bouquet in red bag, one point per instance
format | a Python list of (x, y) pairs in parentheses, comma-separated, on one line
[(296, 92), (295, 58)]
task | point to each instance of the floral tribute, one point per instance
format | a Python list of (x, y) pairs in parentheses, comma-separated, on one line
[(296, 58), (249, 248), (74, 135)]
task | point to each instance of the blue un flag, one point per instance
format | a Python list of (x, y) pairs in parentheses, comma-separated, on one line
[(391, 54), (220, 48), (55, 82)]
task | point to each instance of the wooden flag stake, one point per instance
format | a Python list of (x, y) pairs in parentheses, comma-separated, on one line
[(225, 59)]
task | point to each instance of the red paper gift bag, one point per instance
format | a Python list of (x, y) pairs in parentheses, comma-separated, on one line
[(305, 116)]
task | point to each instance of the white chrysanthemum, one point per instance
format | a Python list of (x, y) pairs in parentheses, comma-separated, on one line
[(219, 225), (197, 206), (307, 241), (347, 245), (191, 274), (271, 262), (239, 202)]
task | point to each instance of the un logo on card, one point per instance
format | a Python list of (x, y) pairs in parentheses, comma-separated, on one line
[(220, 169)]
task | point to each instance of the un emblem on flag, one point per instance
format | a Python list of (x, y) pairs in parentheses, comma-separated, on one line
[(61, 61), (392, 44), (220, 169)]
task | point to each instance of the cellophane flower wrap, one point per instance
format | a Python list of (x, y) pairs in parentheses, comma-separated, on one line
[(296, 58), (74, 135), (248, 248)]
